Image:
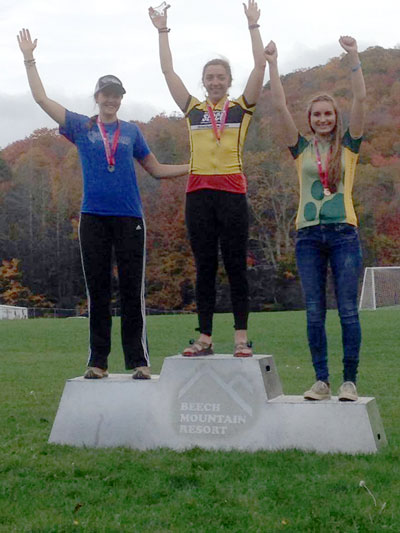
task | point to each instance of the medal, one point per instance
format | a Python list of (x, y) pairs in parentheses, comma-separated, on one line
[(110, 149), (323, 173), (218, 130)]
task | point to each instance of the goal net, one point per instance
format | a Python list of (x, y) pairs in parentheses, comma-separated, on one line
[(11, 312), (380, 288)]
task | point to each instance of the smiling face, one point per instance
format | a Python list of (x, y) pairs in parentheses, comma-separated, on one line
[(217, 81), (109, 101), (322, 118)]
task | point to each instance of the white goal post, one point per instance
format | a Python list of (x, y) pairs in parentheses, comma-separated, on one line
[(380, 288), (12, 312)]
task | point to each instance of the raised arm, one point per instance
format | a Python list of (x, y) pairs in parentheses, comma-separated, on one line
[(256, 78), (356, 127), (288, 126), (52, 108), (158, 170), (175, 85)]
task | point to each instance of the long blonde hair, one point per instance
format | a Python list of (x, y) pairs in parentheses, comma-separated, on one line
[(335, 161)]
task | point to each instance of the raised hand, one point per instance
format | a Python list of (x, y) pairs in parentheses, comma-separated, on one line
[(348, 43), (159, 21), (252, 12), (271, 52), (26, 44)]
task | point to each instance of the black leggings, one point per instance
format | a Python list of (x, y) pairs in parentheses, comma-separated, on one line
[(214, 217), (98, 235)]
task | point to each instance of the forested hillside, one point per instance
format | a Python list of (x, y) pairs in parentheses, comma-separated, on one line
[(40, 189)]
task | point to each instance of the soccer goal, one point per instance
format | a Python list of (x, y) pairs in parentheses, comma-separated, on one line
[(12, 312), (380, 288)]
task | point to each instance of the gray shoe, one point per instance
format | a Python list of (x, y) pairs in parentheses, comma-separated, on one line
[(94, 372), (141, 372), (319, 391), (348, 392)]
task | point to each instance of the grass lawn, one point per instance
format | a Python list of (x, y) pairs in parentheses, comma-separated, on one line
[(49, 488)]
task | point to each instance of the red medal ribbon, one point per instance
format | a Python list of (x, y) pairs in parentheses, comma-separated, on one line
[(110, 149), (323, 173), (218, 130)]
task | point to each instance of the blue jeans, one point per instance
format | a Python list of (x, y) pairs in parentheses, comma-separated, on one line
[(339, 245)]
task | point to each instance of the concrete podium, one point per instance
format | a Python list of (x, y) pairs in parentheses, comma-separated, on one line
[(216, 402)]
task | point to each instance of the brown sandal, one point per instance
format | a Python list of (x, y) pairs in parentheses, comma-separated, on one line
[(198, 349), (243, 349)]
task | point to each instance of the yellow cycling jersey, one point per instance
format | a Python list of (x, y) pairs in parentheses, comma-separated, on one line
[(209, 157)]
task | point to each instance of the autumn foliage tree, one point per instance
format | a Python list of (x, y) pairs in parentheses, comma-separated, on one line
[(40, 191), (12, 292)]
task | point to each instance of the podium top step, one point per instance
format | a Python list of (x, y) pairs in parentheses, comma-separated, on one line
[(218, 356)]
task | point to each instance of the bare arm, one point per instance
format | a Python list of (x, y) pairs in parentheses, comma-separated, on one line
[(158, 170), (52, 108), (175, 85), (288, 126), (256, 78), (357, 115)]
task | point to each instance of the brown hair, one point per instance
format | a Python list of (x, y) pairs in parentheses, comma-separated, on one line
[(92, 122), (223, 63), (335, 162)]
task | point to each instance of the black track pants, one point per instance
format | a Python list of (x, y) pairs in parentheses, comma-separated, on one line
[(98, 235)]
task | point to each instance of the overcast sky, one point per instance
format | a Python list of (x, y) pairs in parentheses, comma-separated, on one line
[(80, 40)]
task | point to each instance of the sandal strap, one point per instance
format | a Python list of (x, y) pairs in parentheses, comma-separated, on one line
[(244, 348), (203, 345), (243, 345), (197, 347)]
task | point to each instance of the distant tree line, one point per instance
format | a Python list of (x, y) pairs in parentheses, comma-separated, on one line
[(40, 192)]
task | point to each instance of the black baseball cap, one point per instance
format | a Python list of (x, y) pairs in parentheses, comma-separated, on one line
[(109, 81)]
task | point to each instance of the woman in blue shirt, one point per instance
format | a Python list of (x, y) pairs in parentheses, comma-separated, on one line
[(111, 213)]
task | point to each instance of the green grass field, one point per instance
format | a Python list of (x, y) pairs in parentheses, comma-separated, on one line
[(48, 488)]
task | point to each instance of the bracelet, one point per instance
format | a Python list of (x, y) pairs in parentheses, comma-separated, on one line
[(29, 63), (164, 30), (253, 26), (354, 69)]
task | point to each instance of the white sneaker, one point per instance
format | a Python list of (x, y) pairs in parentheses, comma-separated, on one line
[(348, 392), (319, 391)]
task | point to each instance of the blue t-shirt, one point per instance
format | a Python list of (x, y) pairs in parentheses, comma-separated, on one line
[(107, 193)]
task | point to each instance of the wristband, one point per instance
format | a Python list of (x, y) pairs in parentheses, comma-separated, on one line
[(354, 69), (164, 30), (253, 26)]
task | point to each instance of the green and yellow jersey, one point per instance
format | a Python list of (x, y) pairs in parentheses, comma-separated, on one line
[(314, 207)]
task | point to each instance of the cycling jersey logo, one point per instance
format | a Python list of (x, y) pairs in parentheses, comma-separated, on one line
[(207, 120)]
